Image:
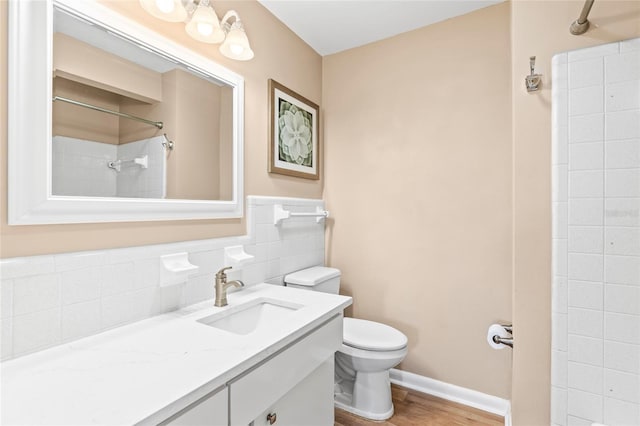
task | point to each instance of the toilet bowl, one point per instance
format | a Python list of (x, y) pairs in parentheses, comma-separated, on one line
[(369, 350)]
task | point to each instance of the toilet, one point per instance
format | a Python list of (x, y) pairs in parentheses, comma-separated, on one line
[(369, 350)]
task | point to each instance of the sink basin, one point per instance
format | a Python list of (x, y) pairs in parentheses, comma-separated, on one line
[(251, 316)]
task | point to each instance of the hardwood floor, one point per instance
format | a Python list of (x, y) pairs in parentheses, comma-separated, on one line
[(414, 408)]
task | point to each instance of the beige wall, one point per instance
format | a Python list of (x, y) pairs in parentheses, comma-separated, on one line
[(542, 29), (418, 178), (83, 123), (86, 64), (198, 110), (279, 55)]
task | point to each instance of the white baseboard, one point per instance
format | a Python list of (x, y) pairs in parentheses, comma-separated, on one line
[(475, 399)]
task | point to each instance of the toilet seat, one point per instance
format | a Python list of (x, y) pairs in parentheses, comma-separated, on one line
[(372, 336)]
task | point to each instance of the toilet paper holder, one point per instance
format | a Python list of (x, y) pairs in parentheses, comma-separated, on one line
[(508, 341)]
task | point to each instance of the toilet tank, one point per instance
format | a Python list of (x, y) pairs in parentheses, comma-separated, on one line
[(318, 278)]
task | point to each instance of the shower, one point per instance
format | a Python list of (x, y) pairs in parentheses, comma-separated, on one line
[(596, 235)]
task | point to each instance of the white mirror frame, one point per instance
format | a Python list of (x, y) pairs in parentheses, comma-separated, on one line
[(30, 199)]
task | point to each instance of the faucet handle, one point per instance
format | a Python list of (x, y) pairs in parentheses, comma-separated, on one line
[(221, 273)]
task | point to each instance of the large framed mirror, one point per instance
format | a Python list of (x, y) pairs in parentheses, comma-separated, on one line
[(109, 121)]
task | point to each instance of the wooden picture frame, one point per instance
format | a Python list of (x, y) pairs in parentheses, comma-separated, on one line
[(294, 144)]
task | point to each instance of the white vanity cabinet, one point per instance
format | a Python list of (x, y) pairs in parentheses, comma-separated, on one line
[(310, 403), (296, 384), (293, 387), (212, 410)]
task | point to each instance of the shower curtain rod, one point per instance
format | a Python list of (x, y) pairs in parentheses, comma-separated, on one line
[(157, 124), (581, 25)]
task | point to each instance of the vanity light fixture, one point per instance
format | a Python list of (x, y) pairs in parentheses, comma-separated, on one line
[(168, 10), (203, 25)]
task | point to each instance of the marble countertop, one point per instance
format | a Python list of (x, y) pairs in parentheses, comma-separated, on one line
[(146, 371)]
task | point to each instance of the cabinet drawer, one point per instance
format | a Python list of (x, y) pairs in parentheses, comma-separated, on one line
[(309, 403), (254, 392)]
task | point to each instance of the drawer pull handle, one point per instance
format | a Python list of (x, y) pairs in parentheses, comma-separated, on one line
[(272, 418)]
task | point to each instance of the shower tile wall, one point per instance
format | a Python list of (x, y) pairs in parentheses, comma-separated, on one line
[(54, 299), (80, 168), (134, 181), (596, 236)]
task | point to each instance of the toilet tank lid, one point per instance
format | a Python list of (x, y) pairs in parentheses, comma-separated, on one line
[(312, 276)]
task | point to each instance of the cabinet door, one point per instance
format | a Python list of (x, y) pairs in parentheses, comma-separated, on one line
[(212, 410), (256, 391), (310, 403)]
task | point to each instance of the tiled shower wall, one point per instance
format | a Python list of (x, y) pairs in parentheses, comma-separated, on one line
[(80, 168), (49, 300), (596, 236)]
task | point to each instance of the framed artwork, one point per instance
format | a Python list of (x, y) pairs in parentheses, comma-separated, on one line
[(293, 133)]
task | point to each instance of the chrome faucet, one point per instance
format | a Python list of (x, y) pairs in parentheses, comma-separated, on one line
[(222, 285)]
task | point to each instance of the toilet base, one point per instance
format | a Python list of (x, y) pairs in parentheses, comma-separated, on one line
[(340, 402), (368, 396)]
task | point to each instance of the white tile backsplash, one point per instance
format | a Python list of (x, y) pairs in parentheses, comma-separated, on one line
[(36, 331), (80, 319), (48, 300), (6, 298), (36, 293), (601, 329), (80, 285)]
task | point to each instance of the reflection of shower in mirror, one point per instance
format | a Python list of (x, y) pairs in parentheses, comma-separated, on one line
[(138, 161), (136, 169)]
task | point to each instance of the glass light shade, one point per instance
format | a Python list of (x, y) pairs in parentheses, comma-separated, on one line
[(204, 24), (167, 10), (236, 45)]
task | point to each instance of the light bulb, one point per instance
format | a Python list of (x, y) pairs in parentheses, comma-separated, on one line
[(165, 6), (205, 28), (236, 49)]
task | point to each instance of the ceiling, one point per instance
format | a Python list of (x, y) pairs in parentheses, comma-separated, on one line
[(331, 26)]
